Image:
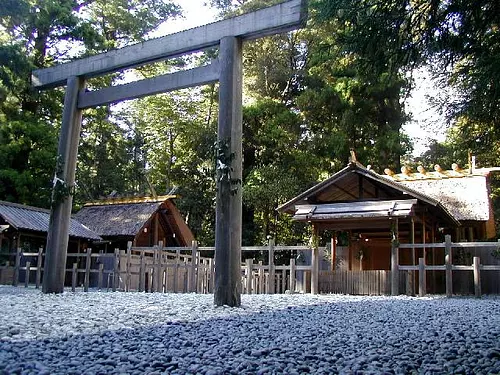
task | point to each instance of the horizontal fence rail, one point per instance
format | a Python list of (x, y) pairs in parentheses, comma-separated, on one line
[(161, 269), (183, 269), (448, 267)]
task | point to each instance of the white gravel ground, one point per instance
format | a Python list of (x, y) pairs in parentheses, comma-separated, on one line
[(139, 333)]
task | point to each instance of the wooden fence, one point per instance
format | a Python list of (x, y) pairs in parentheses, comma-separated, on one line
[(448, 267), (161, 269), (377, 282)]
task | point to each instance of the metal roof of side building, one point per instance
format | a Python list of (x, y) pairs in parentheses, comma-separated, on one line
[(22, 217)]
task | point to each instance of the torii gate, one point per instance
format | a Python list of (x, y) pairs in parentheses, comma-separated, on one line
[(227, 69)]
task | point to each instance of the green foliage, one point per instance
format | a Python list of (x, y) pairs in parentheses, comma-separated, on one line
[(310, 96), (27, 159)]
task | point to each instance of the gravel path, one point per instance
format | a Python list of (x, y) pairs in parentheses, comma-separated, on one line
[(138, 333)]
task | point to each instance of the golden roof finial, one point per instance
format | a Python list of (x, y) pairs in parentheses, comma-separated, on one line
[(421, 169), (353, 156)]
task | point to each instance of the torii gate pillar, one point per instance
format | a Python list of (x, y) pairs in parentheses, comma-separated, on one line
[(228, 35), (228, 212), (54, 268)]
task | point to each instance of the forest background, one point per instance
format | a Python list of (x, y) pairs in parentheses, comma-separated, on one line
[(310, 97)]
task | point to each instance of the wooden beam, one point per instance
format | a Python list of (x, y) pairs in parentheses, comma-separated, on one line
[(165, 83), (228, 216), (60, 214), (268, 21)]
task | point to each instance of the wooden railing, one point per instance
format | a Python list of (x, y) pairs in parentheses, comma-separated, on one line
[(165, 269), (448, 267)]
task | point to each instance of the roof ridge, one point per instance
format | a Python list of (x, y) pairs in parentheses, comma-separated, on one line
[(24, 207), (129, 200)]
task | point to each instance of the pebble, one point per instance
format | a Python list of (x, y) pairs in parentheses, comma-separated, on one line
[(133, 333)]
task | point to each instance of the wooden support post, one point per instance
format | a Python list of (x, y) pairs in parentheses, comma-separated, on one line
[(186, 276), (261, 278), (88, 261), (334, 251), (421, 277), (448, 264), (128, 266), (211, 275), (424, 240), (229, 175), (159, 269), (153, 274), (99, 276), (283, 281), (394, 268), (248, 273), (176, 270), (74, 276), (116, 271), (192, 268), (27, 274), (477, 276), (141, 272), (39, 264), (315, 261), (434, 255), (412, 274), (17, 264), (292, 275), (272, 273), (62, 198), (197, 273)]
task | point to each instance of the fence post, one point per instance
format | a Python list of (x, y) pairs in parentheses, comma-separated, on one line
[(271, 280), (447, 259), (74, 274), (27, 274), (283, 281), (159, 268), (192, 268), (421, 277), (315, 266), (211, 277), (141, 272), (185, 283), (87, 270), (261, 278), (99, 276), (17, 264), (477, 276), (176, 270), (128, 266), (292, 275), (39, 268), (116, 271), (394, 269), (249, 267)]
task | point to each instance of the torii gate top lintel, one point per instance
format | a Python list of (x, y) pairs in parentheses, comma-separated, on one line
[(279, 18)]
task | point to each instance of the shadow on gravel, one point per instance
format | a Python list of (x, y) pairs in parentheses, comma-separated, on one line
[(363, 337)]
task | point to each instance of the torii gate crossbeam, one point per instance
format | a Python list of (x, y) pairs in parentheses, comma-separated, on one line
[(228, 35)]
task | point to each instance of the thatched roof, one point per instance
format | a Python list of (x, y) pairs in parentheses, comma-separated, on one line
[(127, 216), (22, 217), (120, 219), (465, 196)]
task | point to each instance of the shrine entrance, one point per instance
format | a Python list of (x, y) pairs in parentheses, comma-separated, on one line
[(228, 36)]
